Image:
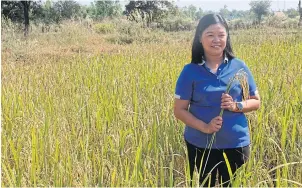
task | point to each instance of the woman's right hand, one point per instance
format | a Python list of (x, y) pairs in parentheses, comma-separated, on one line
[(214, 125)]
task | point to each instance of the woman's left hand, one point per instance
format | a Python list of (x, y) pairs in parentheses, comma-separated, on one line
[(227, 102)]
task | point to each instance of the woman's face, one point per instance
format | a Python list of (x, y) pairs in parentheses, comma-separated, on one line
[(214, 39)]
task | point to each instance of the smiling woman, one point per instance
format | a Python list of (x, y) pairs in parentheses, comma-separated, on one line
[(200, 96), (214, 39)]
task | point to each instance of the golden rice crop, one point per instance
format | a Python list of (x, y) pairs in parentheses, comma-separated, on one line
[(103, 117)]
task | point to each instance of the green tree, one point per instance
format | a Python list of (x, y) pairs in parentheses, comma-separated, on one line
[(199, 13), (292, 13), (260, 8), (67, 9), (239, 14), (225, 12), (190, 11), (147, 11), (174, 10), (234, 14), (102, 9), (21, 11), (50, 15), (12, 10)]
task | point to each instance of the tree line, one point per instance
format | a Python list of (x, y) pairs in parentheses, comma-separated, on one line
[(146, 12)]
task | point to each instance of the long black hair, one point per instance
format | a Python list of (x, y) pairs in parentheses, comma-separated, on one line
[(205, 22)]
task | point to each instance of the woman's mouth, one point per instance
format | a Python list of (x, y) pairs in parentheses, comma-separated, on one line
[(216, 46)]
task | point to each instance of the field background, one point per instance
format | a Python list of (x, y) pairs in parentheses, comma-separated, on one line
[(84, 108)]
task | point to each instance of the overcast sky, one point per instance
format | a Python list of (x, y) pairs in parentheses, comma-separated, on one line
[(215, 5)]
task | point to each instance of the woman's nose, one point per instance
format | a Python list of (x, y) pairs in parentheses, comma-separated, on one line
[(216, 39)]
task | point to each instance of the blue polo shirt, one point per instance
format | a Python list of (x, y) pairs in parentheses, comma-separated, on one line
[(204, 90)]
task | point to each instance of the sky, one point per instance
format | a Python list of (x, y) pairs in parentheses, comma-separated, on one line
[(216, 5)]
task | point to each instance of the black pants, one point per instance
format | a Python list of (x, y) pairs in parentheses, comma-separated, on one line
[(216, 162)]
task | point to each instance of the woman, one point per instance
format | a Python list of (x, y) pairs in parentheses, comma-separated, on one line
[(200, 96)]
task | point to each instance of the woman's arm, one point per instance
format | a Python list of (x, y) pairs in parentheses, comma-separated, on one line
[(181, 112), (251, 104)]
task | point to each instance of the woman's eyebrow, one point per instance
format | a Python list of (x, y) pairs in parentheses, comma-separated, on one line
[(209, 32)]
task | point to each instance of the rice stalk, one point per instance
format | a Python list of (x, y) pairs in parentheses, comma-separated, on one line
[(240, 76)]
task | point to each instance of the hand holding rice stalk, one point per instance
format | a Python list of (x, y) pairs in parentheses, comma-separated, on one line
[(240, 76)]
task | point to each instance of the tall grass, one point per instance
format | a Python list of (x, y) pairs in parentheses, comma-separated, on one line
[(103, 117)]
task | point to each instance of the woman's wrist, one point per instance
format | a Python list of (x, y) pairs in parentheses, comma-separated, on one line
[(247, 105), (203, 127), (237, 107)]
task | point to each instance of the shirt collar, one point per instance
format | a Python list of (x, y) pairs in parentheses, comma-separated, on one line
[(226, 60)]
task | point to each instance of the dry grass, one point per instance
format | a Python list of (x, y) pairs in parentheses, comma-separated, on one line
[(78, 110)]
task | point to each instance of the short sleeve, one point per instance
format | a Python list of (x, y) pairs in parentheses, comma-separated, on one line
[(184, 84), (251, 81)]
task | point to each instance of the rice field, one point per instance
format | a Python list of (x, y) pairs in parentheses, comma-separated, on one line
[(78, 110)]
